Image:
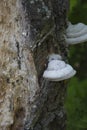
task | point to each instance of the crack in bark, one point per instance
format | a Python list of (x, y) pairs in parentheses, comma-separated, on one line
[(18, 54), (60, 19)]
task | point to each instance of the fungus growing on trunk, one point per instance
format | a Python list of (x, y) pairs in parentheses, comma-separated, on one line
[(58, 70), (76, 33), (54, 57)]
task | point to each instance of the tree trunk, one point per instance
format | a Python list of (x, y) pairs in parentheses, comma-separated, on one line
[(29, 31)]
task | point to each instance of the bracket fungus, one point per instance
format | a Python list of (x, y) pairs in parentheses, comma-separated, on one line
[(54, 57), (58, 70), (76, 33)]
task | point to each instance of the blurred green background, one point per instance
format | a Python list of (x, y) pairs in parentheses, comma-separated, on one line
[(76, 101)]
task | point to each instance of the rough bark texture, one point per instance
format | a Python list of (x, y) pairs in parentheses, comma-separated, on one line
[(29, 31)]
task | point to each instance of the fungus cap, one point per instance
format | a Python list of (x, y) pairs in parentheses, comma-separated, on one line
[(58, 70), (56, 65), (76, 40), (75, 28), (54, 56), (76, 33)]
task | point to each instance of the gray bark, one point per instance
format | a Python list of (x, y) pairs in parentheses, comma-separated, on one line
[(30, 30)]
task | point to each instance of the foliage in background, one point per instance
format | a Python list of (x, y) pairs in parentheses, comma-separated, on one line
[(72, 4), (76, 102), (77, 105)]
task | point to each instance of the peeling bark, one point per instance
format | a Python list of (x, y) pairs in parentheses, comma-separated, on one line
[(29, 31)]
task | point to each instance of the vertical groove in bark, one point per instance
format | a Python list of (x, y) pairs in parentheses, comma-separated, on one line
[(60, 10)]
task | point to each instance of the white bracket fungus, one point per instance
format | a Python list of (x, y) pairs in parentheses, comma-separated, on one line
[(76, 33), (54, 57), (58, 70)]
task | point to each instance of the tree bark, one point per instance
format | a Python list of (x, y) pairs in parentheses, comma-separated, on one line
[(30, 30)]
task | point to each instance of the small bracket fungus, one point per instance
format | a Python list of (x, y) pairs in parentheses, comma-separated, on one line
[(76, 33), (58, 70), (75, 28), (54, 57)]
